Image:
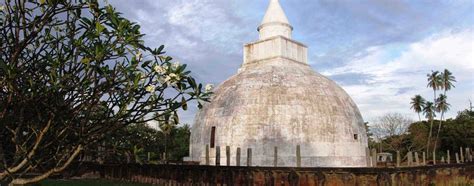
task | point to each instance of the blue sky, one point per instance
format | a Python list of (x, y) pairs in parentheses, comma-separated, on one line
[(379, 51)]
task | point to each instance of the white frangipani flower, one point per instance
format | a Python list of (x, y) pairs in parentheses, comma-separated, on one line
[(176, 65), (208, 87), (171, 79), (139, 56), (150, 88), (159, 69), (167, 79), (173, 76)]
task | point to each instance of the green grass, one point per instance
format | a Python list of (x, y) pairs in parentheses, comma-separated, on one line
[(86, 183)]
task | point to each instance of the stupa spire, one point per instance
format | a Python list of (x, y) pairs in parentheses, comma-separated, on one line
[(275, 22)]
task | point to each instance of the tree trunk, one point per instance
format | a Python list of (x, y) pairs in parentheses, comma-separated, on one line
[(165, 156), (127, 154), (439, 129), (24, 181), (2, 154), (431, 125), (13, 170)]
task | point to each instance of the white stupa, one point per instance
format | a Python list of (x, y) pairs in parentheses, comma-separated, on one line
[(277, 100)]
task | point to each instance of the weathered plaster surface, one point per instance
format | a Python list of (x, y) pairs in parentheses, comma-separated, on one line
[(282, 103)]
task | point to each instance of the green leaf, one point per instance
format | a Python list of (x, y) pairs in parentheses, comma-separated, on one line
[(145, 64), (109, 9), (184, 104), (192, 82), (176, 117), (181, 68), (160, 50), (176, 105), (136, 80), (85, 60), (99, 27)]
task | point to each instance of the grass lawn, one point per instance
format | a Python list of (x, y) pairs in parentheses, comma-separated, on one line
[(85, 183)]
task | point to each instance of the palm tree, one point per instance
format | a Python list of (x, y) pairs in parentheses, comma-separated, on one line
[(447, 80), (429, 111), (417, 104), (441, 106), (166, 124), (435, 82)]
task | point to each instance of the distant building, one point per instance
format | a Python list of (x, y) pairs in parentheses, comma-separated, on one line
[(384, 157), (277, 100)]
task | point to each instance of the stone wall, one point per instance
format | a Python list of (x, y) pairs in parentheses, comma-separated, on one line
[(454, 174)]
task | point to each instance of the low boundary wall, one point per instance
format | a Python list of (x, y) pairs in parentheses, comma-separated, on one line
[(453, 174)]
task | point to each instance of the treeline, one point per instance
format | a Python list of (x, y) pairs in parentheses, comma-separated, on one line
[(396, 132), (456, 132), (140, 143)]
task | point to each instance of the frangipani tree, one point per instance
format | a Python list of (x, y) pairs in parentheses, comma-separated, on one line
[(71, 73)]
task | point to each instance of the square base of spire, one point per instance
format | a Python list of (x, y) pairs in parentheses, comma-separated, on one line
[(273, 47)]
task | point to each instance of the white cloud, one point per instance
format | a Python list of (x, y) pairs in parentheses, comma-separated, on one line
[(396, 76), (210, 21)]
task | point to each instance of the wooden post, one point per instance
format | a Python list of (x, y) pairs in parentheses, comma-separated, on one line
[(237, 157), (470, 154), (398, 158), (448, 157), (461, 154), (410, 158), (207, 155), (227, 155), (367, 154), (442, 159), (424, 158), (417, 159), (467, 152), (374, 157), (275, 156), (434, 158), (457, 158), (148, 157), (298, 156), (218, 156), (249, 157)]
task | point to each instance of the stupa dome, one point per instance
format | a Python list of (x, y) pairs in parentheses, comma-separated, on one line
[(276, 100)]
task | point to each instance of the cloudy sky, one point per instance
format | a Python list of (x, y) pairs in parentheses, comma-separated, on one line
[(379, 51)]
